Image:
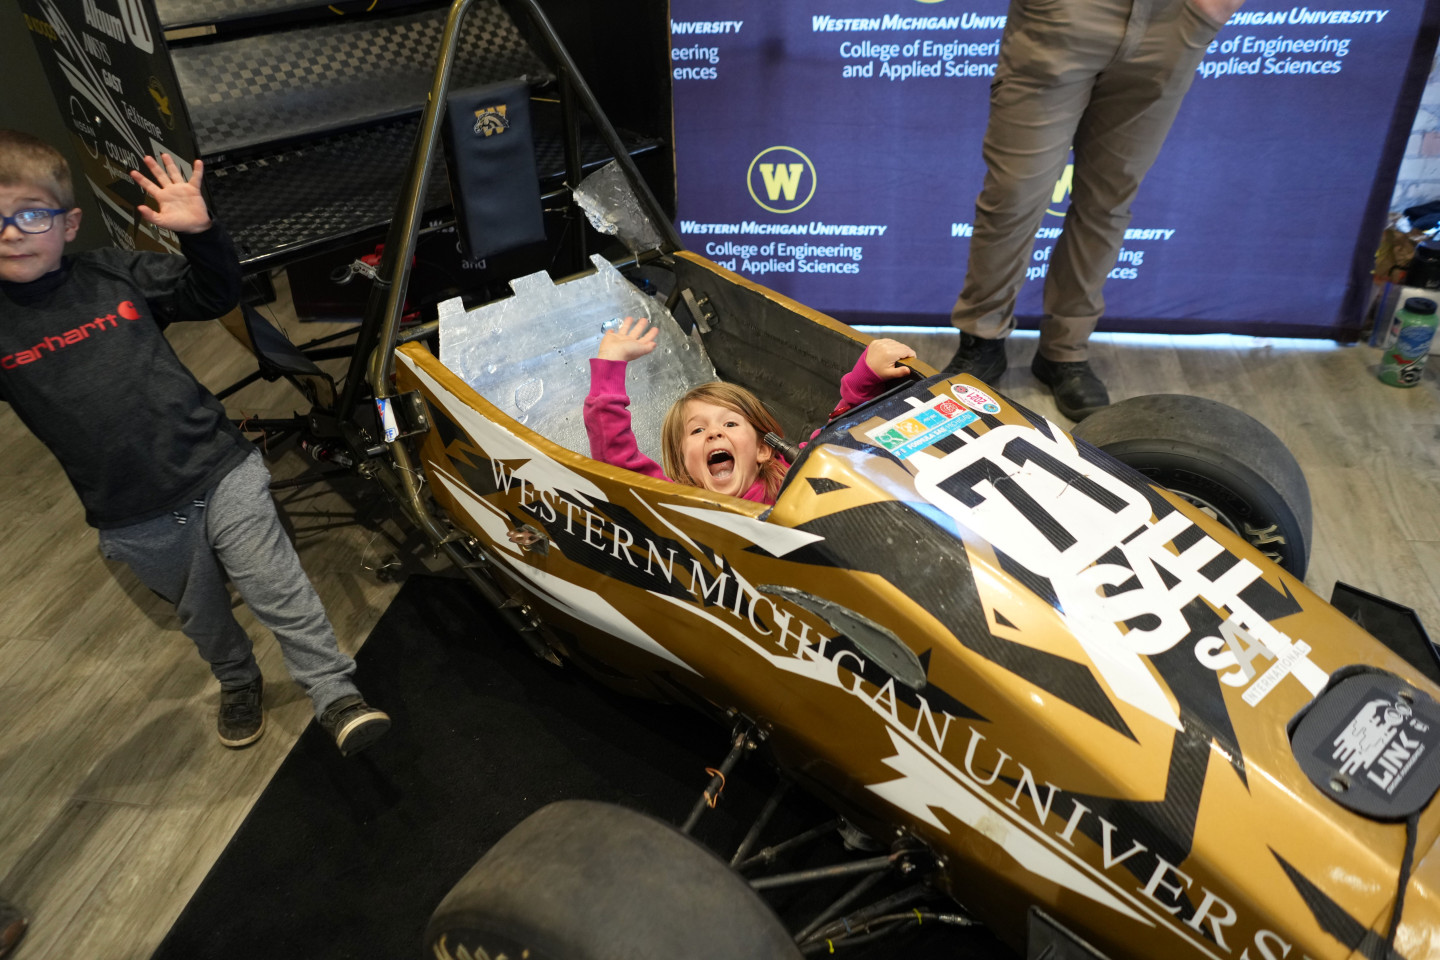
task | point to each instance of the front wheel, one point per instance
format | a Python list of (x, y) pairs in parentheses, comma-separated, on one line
[(1223, 461), (579, 880)]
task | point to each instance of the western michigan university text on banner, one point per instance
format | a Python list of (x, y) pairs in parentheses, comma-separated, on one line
[(830, 149)]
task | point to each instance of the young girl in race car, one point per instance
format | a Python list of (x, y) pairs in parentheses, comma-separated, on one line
[(711, 436)]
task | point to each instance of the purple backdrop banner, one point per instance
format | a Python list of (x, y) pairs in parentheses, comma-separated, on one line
[(830, 149)]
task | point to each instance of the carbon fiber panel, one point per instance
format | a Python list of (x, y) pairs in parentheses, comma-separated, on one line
[(311, 193), (278, 207), (185, 13), (296, 84)]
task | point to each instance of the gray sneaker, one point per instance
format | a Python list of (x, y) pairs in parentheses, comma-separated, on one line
[(980, 358), (242, 715), (354, 724)]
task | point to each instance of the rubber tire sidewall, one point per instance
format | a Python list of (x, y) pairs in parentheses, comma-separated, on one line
[(581, 880), (1241, 495), (1206, 449)]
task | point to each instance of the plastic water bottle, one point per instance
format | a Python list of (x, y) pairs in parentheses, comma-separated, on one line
[(1403, 361)]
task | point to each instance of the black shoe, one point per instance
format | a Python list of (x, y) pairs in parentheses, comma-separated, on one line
[(354, 724), (242, 718), (980, 358), (1078, 392), (12, 927)]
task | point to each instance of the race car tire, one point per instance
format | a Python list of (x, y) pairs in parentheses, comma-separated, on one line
[(580, 880), (1218, 458)]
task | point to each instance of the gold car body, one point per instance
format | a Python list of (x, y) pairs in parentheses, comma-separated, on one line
[(1106, 672)]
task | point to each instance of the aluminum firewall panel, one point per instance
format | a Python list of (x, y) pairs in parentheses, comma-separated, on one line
[(530, 354)]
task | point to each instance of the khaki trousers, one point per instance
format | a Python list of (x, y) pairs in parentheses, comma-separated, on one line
[(1103, 76)]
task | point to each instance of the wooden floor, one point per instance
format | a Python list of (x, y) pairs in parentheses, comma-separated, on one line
[(115, 797)]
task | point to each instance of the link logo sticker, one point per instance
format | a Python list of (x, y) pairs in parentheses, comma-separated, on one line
[(975, 398), (1379, 743), (781, 179), (921, 427), (491, 120)]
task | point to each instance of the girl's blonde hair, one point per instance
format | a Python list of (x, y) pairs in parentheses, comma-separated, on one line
[(731, 397)]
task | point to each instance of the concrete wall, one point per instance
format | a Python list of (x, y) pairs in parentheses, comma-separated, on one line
[(1419, 180)]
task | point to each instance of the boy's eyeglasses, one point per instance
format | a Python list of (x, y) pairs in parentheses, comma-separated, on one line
[(35, 220)]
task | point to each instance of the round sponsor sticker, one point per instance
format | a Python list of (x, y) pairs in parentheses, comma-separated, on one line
[(975, 399)]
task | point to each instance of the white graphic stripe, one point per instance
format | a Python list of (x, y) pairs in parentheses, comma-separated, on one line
[(1040, 853), (666, 523), (90, 86), (584, 605), (773, 538), (541, 471), (924, 785)]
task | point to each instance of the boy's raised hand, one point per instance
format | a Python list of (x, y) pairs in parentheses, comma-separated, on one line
[(882, 357), (175, 203), (629, 341)]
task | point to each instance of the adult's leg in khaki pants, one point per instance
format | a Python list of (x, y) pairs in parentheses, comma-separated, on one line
[(1050, 56), (1132, 107)]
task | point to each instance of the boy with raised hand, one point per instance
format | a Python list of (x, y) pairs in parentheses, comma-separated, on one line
[(175, 490)]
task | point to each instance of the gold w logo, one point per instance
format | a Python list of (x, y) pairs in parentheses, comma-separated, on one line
[(781, 179)]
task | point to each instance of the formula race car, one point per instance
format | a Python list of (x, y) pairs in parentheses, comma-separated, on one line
[(1091, 703), (974, 635)]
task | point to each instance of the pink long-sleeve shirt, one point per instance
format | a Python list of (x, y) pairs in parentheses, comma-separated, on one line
[(607, 417)]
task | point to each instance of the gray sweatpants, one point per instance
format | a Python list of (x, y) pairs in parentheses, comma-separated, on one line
[(1103, 76), (186, 556)]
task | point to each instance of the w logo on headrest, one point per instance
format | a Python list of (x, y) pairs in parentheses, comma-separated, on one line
[(491, 120)]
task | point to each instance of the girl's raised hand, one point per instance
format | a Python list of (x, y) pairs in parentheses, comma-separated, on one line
[(883, 355), (629, 341)]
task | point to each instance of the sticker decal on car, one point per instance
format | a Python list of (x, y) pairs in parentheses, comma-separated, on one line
[(912, 432), (975, 398)]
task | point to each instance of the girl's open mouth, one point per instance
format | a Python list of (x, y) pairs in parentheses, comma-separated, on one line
[(721, 464)]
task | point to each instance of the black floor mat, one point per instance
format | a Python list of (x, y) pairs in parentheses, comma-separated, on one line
[(347, 858)]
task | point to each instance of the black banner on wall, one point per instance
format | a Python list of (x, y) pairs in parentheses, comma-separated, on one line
[(830, 149), (115, 88)]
